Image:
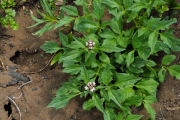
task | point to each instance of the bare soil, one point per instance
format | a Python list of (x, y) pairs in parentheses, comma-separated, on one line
[(20, 53)]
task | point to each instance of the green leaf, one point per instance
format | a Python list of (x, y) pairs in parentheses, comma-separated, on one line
[(130, 58), (46, 6), (118, 96), (71, 55), (104, 58), (153, 37), (64, 94), (56, 58), (174, 71), (165, 39), (98, 9), (85, 24), (119, 58), (63, 39), (110, 49), (60, 101), (50, 47), (150, 111), (107, 34), (76, 44), (134, 117), (123, 41), (144, 52), (64, 21), (142, 31), (134, 100), (126, 79), (115, 96), (98, 102), (70, 10), (105, 75), (88, 105), (71, 68), (109, 114), (168, 59), (148, 85)]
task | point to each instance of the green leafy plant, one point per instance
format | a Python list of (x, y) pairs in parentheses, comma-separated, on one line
[(111, 60), (8, 14)]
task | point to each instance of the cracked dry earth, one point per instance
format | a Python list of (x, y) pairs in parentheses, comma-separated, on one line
[(20, 53)]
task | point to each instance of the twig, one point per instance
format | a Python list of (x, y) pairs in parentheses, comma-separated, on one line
[(24, 84), (41, 68), (18, 96), (2, 64), (15, 106), (173, 108), (10, 117)]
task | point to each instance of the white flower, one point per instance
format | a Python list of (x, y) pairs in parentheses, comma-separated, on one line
[(90, 44), (90, 86)]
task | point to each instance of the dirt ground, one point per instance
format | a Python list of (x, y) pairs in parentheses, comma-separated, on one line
[(20, 53)]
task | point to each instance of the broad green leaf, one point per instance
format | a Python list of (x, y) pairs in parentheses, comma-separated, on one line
[(106, 75), (142, 31), (107, 34), (127, 3), (76, 44), (60, 101), (50, 47), (64, 94), (134, 100), (70, 10), (88, 105), (153, 37), (111, 3), (125, 79), (174, 71), (98, 9), (168, 59), (115, 96), (120, 95), (98, 103), (64, 21), (104, 58), (84, 4), (63, 39), (56, 58), (165, 39), (72, 69), (134, 117), (119, 58), (109, 114), (109, 42), (110, 49), (123, 41), (115, 26), (150, 110), (130, 58), (150, 99), (71, 55), (85, 24), (148, 85)]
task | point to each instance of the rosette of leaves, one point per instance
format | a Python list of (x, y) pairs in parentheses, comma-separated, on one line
[(7, 14), (120, 59)]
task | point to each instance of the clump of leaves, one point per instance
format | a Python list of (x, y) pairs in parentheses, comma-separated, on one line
[(111, 62), (8, 14)]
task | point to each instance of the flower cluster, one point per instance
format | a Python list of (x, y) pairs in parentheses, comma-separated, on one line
[(91, 86), (90, 44)]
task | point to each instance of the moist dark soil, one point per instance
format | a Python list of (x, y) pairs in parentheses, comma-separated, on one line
[(20, 54)]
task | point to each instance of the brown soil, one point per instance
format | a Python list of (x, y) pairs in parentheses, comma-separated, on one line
[(20, 53)]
